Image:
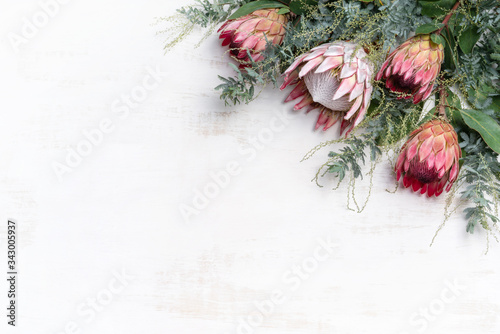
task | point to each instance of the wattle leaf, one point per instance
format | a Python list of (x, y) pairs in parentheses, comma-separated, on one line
[(480, 99), (255, 5), (487, 127)]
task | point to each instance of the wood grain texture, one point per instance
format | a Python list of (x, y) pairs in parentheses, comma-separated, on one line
[(106, 249)]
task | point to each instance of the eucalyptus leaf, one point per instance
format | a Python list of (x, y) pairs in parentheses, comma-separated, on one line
[(299, 6), (436, 8), (282, 11), (468, 39), (496, 104), (255, 5), (487, 127), (438, 39), (428, 28), (450, 61)]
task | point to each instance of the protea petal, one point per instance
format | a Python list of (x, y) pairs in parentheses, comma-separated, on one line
[(425, 149), (335, 50), (440, 159), (332, 119), (358, 89), (313, 55), (431, 158), (298, 91), (354, 107), (307, 100), (322, 119), (309, 66), (345, 87), (454, 172), (348, 70), (382, 69), (290, 79), (329, 63)]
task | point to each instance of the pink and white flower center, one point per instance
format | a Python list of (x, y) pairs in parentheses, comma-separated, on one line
[(421, 172), (322, 87)]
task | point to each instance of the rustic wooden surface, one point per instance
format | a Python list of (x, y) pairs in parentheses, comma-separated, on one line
[(104, 248)]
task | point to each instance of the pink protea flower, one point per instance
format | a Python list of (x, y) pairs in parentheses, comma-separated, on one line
[(429, 158), (413, 67), (334, 78), (250, 32)]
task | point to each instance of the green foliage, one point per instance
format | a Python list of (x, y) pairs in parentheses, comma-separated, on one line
[(241, 88), (468, 39), (203, 13), (479, 40), (352, 156), (300, 7), (350, 160), (470, 36), (487, 127), (438, 39), (480, 172), (454, 109), (329, 21), (250, 7), (428, 28), (437, 8), (450, 52), (390, 120), (207, 12)]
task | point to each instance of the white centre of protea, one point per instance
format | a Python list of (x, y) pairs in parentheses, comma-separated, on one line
[(322, 87)]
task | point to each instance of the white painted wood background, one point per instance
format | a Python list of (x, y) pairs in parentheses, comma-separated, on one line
[(106, 250)]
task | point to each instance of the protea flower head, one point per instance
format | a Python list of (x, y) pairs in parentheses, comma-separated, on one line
[(413, 67), (334, 78), (428, 161), (250, 32)]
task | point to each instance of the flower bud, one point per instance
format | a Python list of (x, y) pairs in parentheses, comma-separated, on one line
[(413, 68), (250, 32), (428, 161)]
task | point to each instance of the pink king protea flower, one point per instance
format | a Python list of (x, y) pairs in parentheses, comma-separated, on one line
[(250, 32), (334, 78), (413, 67), (429, 159)]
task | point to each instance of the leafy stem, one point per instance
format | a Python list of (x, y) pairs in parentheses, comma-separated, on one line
[(448, 16)]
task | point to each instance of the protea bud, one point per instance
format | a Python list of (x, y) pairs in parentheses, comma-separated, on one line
[(413, 67), (250, 32), (334, 78), (429, 159)]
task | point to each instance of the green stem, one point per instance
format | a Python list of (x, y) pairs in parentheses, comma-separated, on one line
[(441, 108)]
